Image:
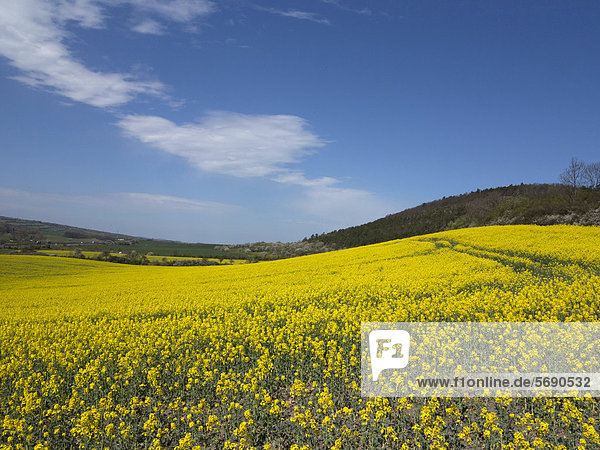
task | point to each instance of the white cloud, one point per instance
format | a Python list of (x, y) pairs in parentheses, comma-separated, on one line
[(259, 146), (149, 27), (32, 37), (229, 143), (296, 14)]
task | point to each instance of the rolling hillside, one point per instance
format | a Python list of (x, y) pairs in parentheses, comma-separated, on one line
[(541, 204), (21, 229)]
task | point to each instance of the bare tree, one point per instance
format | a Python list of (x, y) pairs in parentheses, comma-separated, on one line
[(591, 175), (574, 174)]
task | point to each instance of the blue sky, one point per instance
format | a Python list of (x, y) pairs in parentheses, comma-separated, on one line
[(230, 121)]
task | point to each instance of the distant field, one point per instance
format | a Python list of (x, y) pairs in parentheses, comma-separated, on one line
[(92, 255), (168, 248), (224, 256), (180, 249), (240, 356)]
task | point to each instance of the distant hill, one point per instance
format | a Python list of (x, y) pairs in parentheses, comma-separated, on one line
[(22, 228), (20, 234), (542, 204)]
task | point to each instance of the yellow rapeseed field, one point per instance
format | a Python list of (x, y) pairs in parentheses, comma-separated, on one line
[(267, 355)]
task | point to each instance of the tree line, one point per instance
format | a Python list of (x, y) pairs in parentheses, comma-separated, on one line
[(580, 174)]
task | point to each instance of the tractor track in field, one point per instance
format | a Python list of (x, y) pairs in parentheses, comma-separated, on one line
[(539, 266)]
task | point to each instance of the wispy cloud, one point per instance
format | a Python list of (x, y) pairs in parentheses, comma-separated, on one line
[(299, 179), (339, 206), (296, 14), (229, 143), (12, 198), (340, 5), (135, 213), (168, 202), (175, 10), (149, 26), (33, 35)]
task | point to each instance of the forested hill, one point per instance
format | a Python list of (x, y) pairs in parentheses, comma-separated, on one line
[(542, 204)]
